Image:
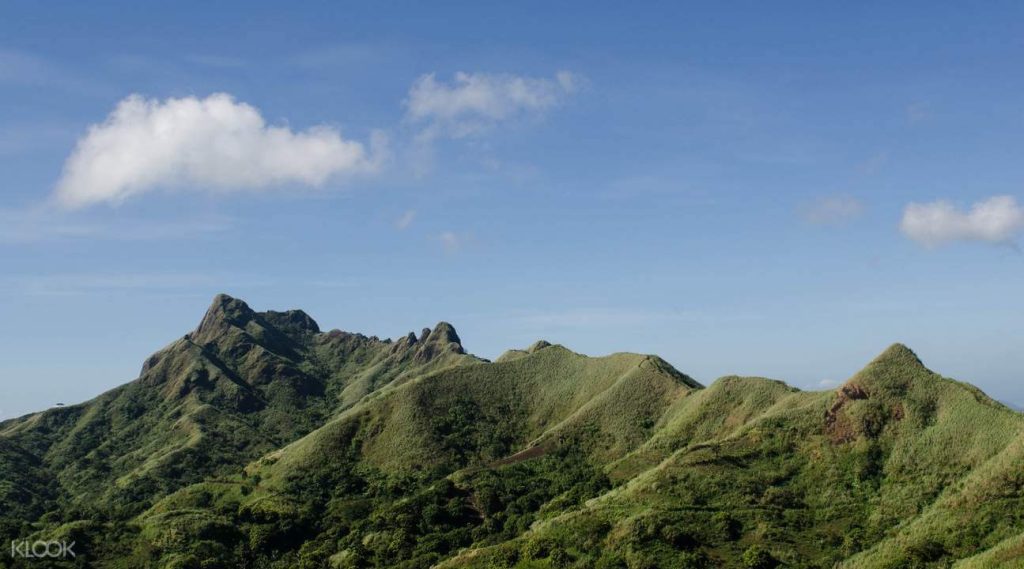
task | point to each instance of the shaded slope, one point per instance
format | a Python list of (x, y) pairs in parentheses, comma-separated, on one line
[(242, 384)]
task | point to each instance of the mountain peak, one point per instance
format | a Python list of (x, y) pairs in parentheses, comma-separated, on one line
[(445, 333), (442, 337), (431, 341), (895, 371), (538, 345), (898, 354), (224, 309)]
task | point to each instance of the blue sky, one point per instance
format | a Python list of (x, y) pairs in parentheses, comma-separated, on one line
[(740, 189)]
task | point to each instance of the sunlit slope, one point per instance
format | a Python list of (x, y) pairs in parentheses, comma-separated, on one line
[(1007, 554), (475, 414), (552, 417), (257, 440), (898, 468)]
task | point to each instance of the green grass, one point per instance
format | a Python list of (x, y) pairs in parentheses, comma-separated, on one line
[(260, 441)]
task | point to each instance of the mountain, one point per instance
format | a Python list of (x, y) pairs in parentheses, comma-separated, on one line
[(258, 440)]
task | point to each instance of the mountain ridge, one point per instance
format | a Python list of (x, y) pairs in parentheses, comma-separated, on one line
[(257, 439)]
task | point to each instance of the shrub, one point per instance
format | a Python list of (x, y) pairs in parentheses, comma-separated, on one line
[(758, 557)]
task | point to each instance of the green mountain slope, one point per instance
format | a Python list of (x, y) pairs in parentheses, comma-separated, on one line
[(897, 468), (259, 441), (239, 386)]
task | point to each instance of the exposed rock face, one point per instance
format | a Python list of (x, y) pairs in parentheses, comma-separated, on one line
[(445, 333), (442, 338), (431, 343), (538, 345), (837, 425), (224, 312), (877, 396), (292, 321)]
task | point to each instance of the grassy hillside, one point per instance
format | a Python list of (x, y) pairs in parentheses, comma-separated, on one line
[(897, 468), (259, 441), (239, 386)]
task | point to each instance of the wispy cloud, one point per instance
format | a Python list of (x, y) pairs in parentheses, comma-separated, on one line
[(87, 283), (832, 210), (339, 55), (212, 144), (874, 164), (163, 284), (996, 220), (918, 111), (46, 224), (472, 102), (452, 242), (405, 220), (30, 70)]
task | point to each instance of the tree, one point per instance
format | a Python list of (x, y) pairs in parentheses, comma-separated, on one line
[(758, 557)]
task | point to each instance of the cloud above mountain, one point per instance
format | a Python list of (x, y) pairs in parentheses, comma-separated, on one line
[(220, 144), (472, 102), (212, 144), (996, 220)]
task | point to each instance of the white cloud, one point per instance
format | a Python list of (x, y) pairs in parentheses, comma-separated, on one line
[(453, 242), (475, 101), (994, 220), (214, 144), (833, 210), (405, 220), (828, 383)]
